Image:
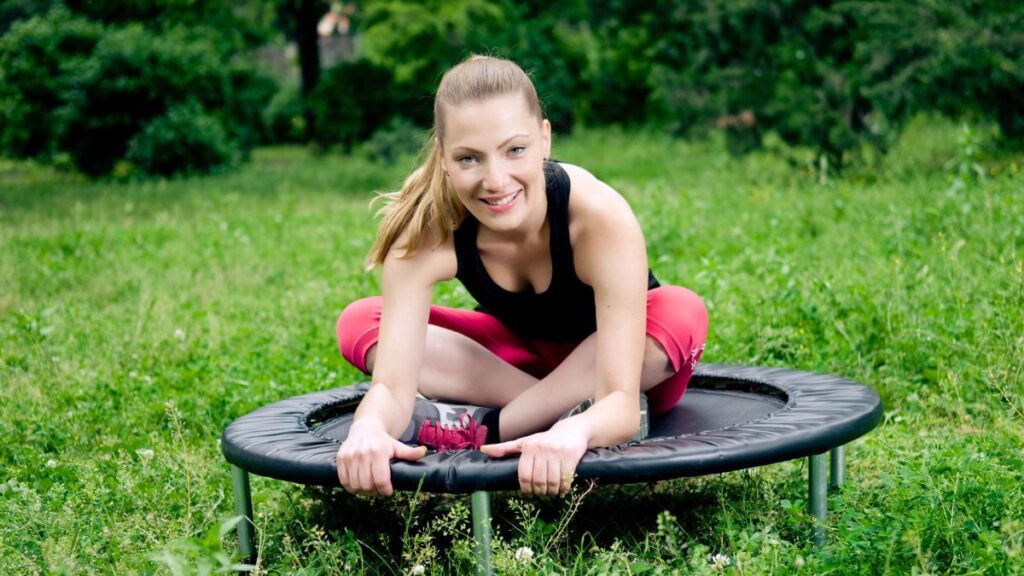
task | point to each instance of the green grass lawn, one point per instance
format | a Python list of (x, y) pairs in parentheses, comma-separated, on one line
[(137, 320)]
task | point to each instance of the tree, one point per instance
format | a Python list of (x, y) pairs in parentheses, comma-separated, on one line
[(300, 18)]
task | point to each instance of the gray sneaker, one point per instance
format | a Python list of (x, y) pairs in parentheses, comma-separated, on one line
[(645, 420), (438, 413)]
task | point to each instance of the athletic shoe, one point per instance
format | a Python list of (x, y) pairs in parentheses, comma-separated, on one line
[(645, 420), (431, 419), (467, 435)]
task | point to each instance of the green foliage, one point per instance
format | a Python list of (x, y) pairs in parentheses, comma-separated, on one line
[(203, 556), (184, 140), (38, 60), (76, 87), (237, 24), (130, 79), (964, 57), (351, 101), (398, 139), (283, 116), (836, 76), (12, 11)]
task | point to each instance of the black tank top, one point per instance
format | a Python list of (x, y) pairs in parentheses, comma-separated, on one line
[(565, 311)]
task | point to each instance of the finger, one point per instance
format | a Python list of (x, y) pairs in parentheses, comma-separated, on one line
[(526, 474), (364, 477), (406, 452), (554, 475), (540, 476), (343, 472), (503, 449), (568, 471), (380, 470)]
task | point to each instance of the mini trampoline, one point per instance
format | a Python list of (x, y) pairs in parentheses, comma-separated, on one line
[(731, 417)]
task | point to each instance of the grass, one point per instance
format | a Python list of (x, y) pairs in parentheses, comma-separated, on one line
[(138, 319)]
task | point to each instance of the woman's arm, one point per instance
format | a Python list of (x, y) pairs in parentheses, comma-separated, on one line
[(611, 256), (385, 411)]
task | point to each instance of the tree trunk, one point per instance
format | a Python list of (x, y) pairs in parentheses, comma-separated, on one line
[(307, 15)]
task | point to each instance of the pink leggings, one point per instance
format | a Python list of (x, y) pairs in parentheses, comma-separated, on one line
[(676, 319)]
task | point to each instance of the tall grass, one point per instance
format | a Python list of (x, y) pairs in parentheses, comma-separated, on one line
[(138, 319)]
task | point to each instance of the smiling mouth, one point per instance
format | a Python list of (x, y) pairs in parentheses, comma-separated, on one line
[(504, 200)]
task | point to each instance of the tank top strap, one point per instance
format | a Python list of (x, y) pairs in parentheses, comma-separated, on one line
[(558, 187)]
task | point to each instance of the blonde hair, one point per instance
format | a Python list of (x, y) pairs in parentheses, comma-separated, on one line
[(427, 199)]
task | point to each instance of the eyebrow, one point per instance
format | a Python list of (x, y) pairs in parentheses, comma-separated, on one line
[(502, 145)]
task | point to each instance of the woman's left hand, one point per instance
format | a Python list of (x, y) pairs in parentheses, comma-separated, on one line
[(547, 462)]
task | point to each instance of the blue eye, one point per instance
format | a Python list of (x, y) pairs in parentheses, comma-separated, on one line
[(517, 149), (464, 159)]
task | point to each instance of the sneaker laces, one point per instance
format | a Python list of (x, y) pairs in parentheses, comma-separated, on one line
[(468, 434)]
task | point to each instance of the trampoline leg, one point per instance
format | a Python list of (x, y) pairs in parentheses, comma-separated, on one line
[(817, 496), (243, 507), (837, 468), (482, 531)]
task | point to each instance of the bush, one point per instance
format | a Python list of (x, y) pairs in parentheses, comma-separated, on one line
[(247, 95), (351, 101), (85, 90), (283, 116), (399, 138), (184, 140), (37, 59)]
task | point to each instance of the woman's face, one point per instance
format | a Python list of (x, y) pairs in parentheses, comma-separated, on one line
[(494, 151)]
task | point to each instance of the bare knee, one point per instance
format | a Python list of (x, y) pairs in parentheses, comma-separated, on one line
[(357, 330), (657, 365)]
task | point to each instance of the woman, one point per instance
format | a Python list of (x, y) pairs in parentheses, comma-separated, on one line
[(557, 261)]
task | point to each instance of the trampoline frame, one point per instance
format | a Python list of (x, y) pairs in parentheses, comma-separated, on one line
[(821, 475), (480, 505)]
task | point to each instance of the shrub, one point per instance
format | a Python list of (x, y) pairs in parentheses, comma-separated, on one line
[(351, 101), (283, 116), (184, 140), (132, 77), (37, 58), (399, 138), (85, 90), (246, 97)]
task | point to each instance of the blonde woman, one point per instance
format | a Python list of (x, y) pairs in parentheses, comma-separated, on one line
[(569, 311)]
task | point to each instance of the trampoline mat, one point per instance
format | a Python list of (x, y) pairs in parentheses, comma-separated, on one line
[(731, 417), (706, 406)]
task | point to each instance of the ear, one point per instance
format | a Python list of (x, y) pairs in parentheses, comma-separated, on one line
[(440, 153), (545, 135)]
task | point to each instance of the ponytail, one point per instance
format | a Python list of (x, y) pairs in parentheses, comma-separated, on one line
[(426, 200)]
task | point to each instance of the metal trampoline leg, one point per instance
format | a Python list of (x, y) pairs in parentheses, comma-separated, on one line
[(837, 467), (817, 496), (481, 501), (243, 507)]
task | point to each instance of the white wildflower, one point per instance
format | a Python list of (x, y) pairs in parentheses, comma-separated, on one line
[(418, 570), (51, 463), (719, 561), (799, 562), (145, 453), (179, 334), (524, 554)]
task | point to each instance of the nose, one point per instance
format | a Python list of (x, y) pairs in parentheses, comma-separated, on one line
[(496, 176)]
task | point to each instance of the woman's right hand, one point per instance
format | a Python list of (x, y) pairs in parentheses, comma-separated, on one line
[(364, 459)]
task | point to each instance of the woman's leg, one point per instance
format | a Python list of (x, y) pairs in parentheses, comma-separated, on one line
[(676, 329), (471, 357)]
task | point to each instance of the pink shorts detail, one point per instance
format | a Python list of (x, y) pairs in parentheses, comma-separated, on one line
[(676, 319)]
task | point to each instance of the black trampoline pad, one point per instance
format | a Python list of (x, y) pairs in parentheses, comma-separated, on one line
[(731, 417)]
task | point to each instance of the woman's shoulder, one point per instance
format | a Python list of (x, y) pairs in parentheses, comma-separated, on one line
[(434, 257), (592, 201)]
